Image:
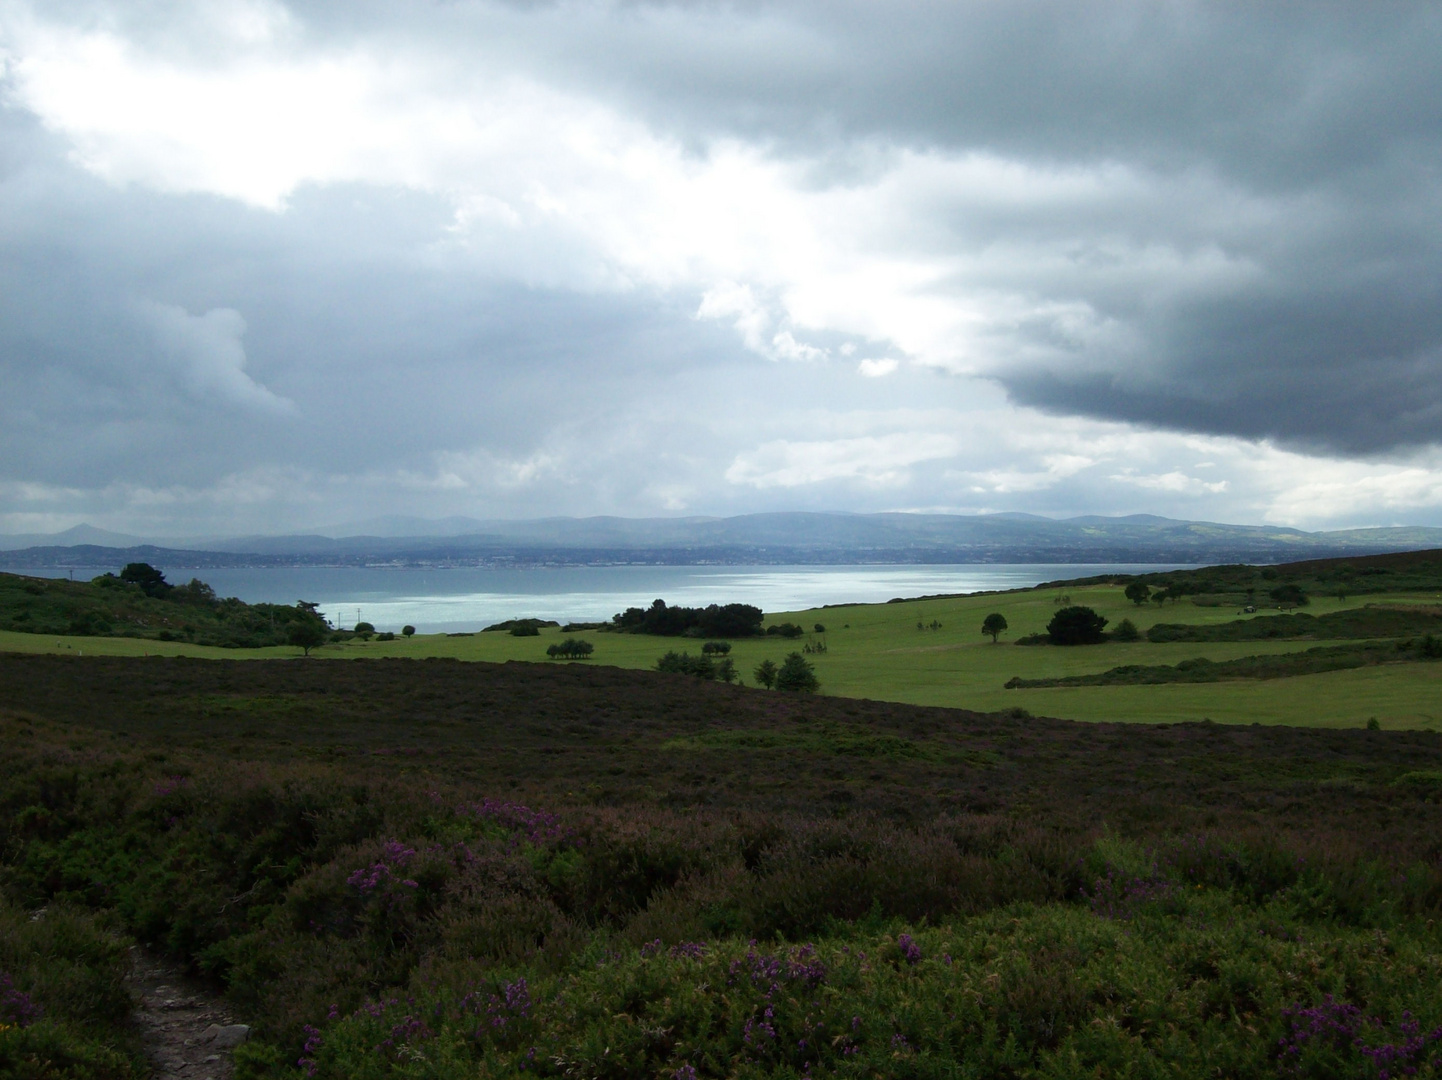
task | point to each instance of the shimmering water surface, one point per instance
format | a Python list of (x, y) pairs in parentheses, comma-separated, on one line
[(468, 599)]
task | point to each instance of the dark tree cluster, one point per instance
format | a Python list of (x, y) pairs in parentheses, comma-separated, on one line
[(524, 625), (712, 621), (570, 649), (786, 630), (1076, 626), (702, 667)]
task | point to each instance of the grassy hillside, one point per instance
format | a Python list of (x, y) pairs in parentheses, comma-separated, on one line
[(108, 606), (1358, 575), (437, 869), (876, 651)]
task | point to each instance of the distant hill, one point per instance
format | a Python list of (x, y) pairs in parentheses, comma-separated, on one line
[(776, 538), (80, 534)]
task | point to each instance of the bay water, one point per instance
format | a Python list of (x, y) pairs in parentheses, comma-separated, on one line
[(466, 599)]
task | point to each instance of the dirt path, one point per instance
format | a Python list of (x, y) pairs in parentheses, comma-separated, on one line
[(187, 1032)]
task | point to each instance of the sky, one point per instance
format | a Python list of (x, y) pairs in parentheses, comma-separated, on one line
[(269, 266)]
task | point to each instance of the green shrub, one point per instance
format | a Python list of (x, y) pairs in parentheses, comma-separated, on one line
[(1076, 625), (684, 663), (797, 674)]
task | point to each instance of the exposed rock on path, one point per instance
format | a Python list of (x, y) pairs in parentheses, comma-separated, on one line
[(187, 1032)]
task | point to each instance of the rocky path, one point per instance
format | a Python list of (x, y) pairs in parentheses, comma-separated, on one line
[(187, 1032)]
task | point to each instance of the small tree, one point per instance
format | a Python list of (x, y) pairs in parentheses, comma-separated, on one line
[(1291, 594), (1076, 626), (820, 629), (308, 634), (716, 648), (685, 664), (408, 631), (151, 581), (1138, 592), (993, 624), (765, 674), (726, 670), (1126, 631), (797, 675), (570, 649)]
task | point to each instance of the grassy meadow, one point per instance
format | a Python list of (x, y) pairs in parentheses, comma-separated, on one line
[(876, 651)]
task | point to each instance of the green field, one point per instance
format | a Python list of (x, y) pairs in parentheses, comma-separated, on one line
[(876, 651)]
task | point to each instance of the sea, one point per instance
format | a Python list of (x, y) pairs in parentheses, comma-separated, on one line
[(461, 599)]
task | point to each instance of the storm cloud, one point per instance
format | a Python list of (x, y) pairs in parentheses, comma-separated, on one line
[(269, 265)]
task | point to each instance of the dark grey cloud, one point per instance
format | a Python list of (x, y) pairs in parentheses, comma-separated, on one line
[(1317, 130)]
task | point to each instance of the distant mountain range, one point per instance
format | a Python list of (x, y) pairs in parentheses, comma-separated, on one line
[(772, 539)]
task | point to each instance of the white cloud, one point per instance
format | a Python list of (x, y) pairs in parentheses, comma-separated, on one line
[(206, 352), (872, 460), (1173, 481), (728, 300), (874, 369)]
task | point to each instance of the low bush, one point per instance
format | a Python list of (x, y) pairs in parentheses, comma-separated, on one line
[(1126, 631), (64, 1008), (786, 630)]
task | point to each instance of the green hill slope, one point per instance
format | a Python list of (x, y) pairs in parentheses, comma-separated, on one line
[(110, 606)]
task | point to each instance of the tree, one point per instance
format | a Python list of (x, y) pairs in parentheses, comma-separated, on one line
[(684, 663), (408, 631), (1138, 592), (786, 630), (195, 592), (307, 634), (151, 581), (765, 674), (712, 621), (993, 624), (716, 647), (1126, 631), (797, 675), (1076, 626), (726, 670), (570, 649), (820, 629), (1290, 594)]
